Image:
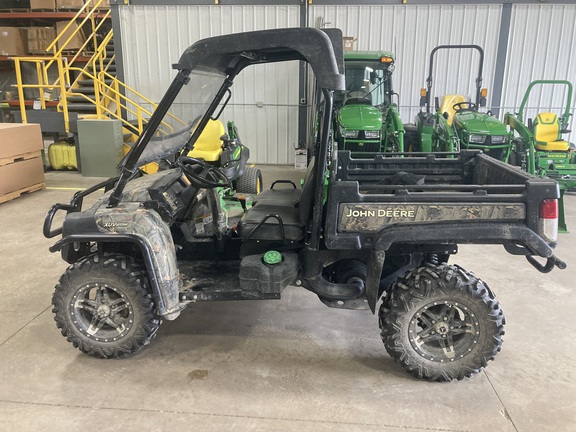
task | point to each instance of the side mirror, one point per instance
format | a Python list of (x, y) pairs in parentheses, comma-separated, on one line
[(446, 115), (372, 77)]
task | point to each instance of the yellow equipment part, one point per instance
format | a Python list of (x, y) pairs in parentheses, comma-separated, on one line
[(547, 133), (209, 145), (447, 105)]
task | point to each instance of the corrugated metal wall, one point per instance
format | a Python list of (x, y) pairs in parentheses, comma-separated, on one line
[(541, 46), (154, 37), (411, 32)]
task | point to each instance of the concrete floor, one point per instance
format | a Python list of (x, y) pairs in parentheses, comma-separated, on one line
[(292, 364)]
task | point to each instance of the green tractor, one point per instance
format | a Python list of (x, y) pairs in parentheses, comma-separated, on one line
[(367, 120), (539, 147), (457, 123)]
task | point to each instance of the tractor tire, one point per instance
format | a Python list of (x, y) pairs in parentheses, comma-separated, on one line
[(441, 323), (250, 182), (104, 307)]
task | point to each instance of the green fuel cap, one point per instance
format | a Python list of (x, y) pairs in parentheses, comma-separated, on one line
[(272, 257)]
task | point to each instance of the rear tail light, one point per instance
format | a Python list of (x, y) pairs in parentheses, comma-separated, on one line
[(548, 219)]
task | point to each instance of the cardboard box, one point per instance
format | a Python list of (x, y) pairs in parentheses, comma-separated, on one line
[(39, 38), (300, 160), (77, 40), (349, 42), (43, 4), (12, 42), (18, 138), (21, 174), (70, 4)]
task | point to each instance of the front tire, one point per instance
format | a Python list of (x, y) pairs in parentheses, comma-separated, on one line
[(442, 323), (250, 182), (104, 307)]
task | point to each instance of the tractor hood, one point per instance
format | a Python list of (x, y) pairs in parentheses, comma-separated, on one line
[(360, 117), (475, 122)]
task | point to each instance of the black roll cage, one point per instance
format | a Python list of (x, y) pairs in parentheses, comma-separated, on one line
[(229, 55), (431, 64)]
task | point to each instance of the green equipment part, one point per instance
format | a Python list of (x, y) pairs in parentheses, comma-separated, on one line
[(367, 119), (538, 144), (457, 123)]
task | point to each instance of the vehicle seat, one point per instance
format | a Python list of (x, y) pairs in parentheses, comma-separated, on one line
[(294, 217), (447, 105), (209, 145), (547, 132), (284, 195)]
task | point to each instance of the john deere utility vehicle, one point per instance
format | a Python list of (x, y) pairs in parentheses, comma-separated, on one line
[(456, 122), (358, 232), (539, 147), (367, 120)]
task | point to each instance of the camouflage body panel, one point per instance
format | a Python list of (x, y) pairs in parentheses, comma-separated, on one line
[(130, 218), (373, 217)]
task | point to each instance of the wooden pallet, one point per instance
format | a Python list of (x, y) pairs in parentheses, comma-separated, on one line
[(42, 10), (20, 157), (16, 194), (15, 10)]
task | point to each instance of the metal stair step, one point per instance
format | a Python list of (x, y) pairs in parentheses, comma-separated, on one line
[(89, 82), (84, 107), (74, 99), (83, 90)]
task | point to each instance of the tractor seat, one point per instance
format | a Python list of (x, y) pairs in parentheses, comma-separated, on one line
[(548, 133), (209, 143), (447, 105)]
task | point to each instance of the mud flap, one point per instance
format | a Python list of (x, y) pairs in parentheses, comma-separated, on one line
[(375, 265)]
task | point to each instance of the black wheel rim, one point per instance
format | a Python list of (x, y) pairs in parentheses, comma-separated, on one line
[(444, 331), (101, 312)]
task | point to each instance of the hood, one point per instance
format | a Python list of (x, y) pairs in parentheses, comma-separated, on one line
[(475, 122), (360, 117)]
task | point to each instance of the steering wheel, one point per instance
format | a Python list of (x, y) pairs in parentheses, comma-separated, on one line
[(358, 94), (470, 106), (201, 173), (358, 97)]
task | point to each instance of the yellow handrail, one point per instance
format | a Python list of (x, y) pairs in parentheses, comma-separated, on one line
[(127, 101)]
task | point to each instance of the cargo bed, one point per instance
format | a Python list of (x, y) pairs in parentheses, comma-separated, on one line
[(376, 201)]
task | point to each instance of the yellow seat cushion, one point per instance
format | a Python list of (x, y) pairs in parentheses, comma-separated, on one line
[(209, 145), (447, 105), (547, 133), (553, 145)]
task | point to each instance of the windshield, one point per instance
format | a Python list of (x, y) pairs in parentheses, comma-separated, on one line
[(187, 109), (371, 79)]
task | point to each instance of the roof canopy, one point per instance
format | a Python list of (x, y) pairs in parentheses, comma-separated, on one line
[(322, 49)]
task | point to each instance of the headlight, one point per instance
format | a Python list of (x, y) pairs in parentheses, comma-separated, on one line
[(477, 139), (351, 134), (498, 139), (375, 134)]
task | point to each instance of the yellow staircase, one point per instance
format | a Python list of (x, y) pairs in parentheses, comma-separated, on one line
[(89, 88)]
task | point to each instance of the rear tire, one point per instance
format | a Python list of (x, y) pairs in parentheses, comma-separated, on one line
[(250, 182), (442, 323), (104, 307)]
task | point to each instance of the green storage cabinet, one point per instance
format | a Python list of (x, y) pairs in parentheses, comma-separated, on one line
[(100, 145)]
